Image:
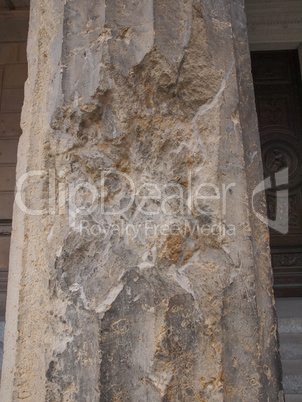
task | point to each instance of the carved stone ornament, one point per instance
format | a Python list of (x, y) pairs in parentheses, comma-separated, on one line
[(281, 150)]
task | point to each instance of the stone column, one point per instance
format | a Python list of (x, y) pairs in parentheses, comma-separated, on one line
[(138, 270)]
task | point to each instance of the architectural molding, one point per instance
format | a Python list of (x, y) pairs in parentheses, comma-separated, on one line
[(14, 12), (274, 24), (284, 19)]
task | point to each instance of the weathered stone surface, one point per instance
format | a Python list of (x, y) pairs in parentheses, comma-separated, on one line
[(120, 94)]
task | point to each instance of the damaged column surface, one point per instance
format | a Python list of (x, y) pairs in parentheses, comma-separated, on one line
[(138, 269)]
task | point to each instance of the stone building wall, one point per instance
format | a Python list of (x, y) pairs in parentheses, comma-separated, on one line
[(138, 270), (13, 73)]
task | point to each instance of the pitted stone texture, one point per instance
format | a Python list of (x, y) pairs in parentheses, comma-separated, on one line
[(147, 90)]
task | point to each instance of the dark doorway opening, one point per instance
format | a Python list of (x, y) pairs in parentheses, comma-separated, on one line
[(278, 94)]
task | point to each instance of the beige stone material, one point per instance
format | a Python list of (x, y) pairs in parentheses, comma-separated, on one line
[(150, 104)]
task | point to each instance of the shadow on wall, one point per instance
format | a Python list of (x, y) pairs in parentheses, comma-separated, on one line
[(2, 324)]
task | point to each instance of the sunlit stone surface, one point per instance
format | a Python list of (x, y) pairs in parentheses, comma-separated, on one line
[(139, 271)]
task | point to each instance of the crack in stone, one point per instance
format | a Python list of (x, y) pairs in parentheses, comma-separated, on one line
[(205, 108), (180, 68), (112, 295), (235, 273), (186, 42), (183, 280)]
